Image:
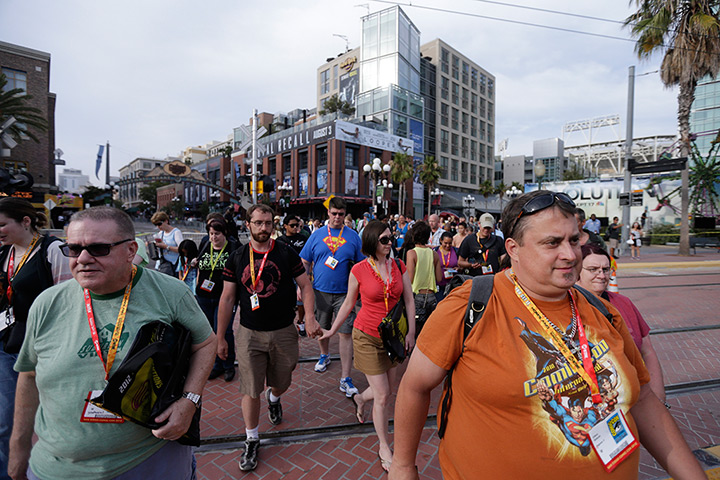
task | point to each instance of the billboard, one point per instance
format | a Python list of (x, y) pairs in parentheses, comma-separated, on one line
[(351, 181), (349, 87), (350, 132), (322, 182)]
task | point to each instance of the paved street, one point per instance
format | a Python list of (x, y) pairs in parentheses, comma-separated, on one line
[(320, 439)]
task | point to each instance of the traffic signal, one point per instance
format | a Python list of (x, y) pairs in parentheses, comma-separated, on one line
[(10, 183)]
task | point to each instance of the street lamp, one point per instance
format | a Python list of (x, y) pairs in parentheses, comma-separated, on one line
[(376, 170), (285, 190), (539, 173), (513, 192), (436, 193)]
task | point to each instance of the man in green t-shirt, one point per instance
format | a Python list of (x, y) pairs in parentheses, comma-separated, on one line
[(77, 337)]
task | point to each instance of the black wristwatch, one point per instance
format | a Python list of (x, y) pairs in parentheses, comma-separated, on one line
[(196, 398)]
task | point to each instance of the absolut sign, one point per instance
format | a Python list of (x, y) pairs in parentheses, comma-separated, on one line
[(307, 137)]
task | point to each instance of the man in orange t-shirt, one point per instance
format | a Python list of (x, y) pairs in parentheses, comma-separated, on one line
[(525, 397)]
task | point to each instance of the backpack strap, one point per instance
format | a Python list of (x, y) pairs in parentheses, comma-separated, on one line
[(480, 293), (596, 302), (47, 240)]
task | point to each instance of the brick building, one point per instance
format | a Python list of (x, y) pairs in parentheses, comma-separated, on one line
[(29, 70)]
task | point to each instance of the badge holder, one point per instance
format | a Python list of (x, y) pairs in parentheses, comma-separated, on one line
[(612, 440), (94, 414), (331, 262)]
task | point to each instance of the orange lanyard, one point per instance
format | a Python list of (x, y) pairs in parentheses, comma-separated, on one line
[(115, 342), (11, 266), (483, 251), (442, 257), (586, 371), (386, 283), (262, 265)]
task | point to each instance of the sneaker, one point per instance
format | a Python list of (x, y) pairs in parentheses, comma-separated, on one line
[(274, 409), (322, 363), (346, 385), (249, 458)]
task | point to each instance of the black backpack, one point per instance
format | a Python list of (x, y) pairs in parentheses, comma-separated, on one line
[(480, 293)]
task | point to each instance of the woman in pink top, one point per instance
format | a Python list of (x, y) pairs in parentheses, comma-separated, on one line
[(380, 282)]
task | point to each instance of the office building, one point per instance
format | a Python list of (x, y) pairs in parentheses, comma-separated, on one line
[(339, 76), (29, 70), (72, 181), (550, 152), (705, 113), (130, 193)]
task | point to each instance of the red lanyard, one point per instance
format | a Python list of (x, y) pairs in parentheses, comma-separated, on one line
[(334, 242), (587, 372), (11, 266), (386, 283), (262, 265), (115, 342), (186, 269)]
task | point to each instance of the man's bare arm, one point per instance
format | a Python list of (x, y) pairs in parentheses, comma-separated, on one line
[(26, 405)]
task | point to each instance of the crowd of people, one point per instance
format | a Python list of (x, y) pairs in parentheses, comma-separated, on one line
[(545, 378)]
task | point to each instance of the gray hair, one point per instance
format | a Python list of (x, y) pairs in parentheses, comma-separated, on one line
[(124, 223)]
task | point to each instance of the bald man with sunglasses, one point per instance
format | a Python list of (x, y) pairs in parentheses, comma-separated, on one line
[(544, 385), (68, 356)]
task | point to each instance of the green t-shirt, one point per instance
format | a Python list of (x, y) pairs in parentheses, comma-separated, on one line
[(59, 349)]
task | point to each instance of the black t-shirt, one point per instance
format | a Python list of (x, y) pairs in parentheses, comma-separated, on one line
[(275, 287), (206, 260), (493, 246), (297, 241), (614, 230)]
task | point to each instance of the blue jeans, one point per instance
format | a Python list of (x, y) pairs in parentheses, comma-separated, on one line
[(209, 306), (8, 382)]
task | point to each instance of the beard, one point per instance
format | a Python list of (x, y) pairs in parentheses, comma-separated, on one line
[(260, 237)]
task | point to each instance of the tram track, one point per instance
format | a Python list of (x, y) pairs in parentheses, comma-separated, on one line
[(322, 433)]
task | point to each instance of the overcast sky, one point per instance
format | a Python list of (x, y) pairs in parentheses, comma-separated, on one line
[(153, 77)]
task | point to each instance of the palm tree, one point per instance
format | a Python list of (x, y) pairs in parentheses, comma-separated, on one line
[(13, 103), (500, 190), (430, 172), (401, 172), (486, 189), (688, 32)]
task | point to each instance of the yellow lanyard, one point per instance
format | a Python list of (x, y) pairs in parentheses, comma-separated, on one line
[(214, 263), (112, 350), (386, 283), (334, 242), (573, 363), (24, 257)]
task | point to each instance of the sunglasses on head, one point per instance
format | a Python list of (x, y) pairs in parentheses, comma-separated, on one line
[(94, 249), (541, 202), (385, 240)]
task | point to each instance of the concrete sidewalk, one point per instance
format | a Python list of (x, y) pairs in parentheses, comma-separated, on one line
[(319, 437)]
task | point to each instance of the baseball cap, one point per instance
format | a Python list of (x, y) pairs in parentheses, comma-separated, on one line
[(487, 220)]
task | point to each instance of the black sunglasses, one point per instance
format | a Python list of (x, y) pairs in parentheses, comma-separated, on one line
[(541, 202), (94, 249), (293, 225), (385, 240)]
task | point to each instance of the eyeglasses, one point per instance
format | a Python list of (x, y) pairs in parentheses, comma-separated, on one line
[(293, 225), (94, 249), (260, 223), (336, 214), (385, 240), (157, 224), (596, 270), (541, 202)]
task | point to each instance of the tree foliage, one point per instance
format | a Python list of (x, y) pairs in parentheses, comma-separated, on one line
[(573, 173), (429, 174), (148, 193), (334, 105), (401, 171), (13, 103)]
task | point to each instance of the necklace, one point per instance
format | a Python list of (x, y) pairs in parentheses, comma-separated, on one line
[(573, 324)]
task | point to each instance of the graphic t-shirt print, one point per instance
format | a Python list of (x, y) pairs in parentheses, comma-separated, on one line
[(564, 396), (268, 282)]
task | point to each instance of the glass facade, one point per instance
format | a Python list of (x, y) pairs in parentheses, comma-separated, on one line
[(705, 113)]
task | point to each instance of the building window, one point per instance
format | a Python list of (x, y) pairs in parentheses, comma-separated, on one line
[(490, 132), (444, 108), (464, 123), (454, 150), (473, 103), (351, 157), (473, 174), (322, 156), (272, 166), (454, 170), (445, 88), (444, 167), (455, 119), (286, 163), (464, 147), (464, 98), (455, 93), (335, 77), (482, 108), (473, 150), (491, 88), (444, 140), (482, 130), (473, 126), (473, 78), (483, 82), (465, 72), (455, 67), (463, 172), (491, 111), (325, 82), (444, 61), (303, 160), (15, 79)]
